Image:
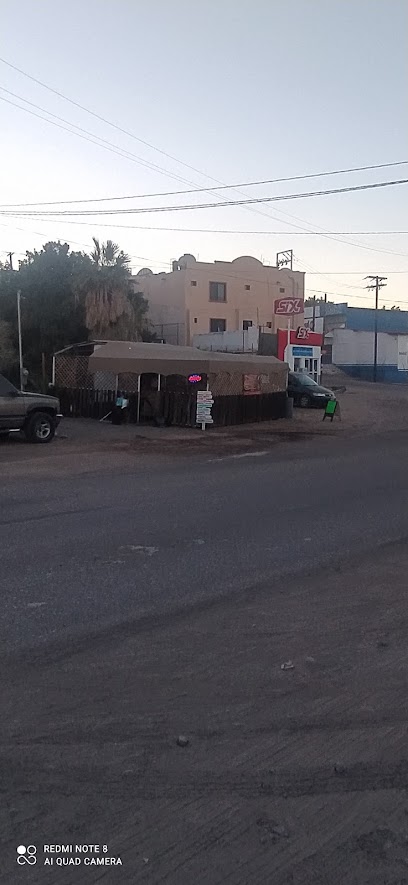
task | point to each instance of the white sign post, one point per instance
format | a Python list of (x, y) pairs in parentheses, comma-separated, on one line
[(204, 403)]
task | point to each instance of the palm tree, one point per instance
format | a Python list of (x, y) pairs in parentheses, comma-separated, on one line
[(110, 312)]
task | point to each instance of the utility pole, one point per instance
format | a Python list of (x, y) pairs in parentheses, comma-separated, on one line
[(10, 255), (376, 283), (314, 313)]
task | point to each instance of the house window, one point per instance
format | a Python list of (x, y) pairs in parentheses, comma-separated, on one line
[(281, 291), (247, 288), (193, 282), (218, 325), (218, 291), (246, 325), (269, 325), (195, 319)]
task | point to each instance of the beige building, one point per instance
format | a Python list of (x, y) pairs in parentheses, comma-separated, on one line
[(227, 296)]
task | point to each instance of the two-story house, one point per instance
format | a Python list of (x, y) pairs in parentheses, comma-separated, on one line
[(224, 296)]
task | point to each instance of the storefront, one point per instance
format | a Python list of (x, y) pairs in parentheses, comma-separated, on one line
[(303, 352)]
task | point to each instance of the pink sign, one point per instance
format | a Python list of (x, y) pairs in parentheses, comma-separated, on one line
[(288, 306)]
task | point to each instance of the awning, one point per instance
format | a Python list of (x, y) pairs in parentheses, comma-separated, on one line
[(140, 358)]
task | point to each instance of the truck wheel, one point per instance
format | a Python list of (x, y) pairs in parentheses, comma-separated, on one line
[(40, 428)]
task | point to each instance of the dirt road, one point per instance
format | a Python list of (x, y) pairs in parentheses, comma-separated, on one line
[(290, 776), (293, 776)]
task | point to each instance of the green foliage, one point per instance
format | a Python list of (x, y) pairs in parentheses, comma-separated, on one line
[(52, 314), (66, 297), (8, 354), (113, 309)]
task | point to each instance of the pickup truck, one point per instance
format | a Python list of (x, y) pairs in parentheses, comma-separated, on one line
[(35, 414)]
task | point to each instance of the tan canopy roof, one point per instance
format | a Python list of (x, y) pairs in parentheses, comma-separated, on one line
[(167, 359)]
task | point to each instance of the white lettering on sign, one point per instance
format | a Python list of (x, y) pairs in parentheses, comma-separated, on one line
[(302, 332), (289, 306), (204, 403)]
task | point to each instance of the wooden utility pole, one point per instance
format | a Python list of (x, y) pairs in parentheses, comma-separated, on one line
[(376, 283)]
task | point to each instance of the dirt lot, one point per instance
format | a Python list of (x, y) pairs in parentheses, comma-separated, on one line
[(365, 409), (290, 776)]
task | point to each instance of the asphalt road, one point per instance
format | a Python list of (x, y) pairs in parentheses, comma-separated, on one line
[(293, 776), (82, 553)]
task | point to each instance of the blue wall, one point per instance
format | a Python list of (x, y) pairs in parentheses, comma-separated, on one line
[(387, 374), (361, 319)]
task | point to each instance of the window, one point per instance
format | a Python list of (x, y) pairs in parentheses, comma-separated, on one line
[(195, 319), (269, 325), (5, 387), (246, 325), (218, 291), (218, 325), (193, 282), (247, 288), (281, 291)]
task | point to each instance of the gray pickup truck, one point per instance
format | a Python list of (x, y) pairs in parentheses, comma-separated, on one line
[(35, 414)]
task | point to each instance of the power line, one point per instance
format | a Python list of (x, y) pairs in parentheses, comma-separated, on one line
[(311, 269), (40, 234), (213, 230), (350, 272), (98, 224), (88, 136), (128, 155), (359, 297), (126, 132), (100, 142), (104, 120), (195, 190), (153, 147), (225, 203)]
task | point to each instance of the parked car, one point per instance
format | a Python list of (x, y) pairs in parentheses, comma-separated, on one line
[(306, 392), (35, 414)]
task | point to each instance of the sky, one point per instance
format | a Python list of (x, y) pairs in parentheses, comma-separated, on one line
[(226, 91)]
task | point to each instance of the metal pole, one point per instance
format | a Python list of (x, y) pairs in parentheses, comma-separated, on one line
[(138, 399), (314, 313), (20, 342), (376, 330), (53, 371), (159, 382), (288, 342)]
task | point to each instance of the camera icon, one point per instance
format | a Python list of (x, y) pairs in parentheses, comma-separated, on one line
[(26, 854)]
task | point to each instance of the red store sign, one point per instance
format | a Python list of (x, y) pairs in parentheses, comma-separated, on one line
[(289, 306), (314, 339)]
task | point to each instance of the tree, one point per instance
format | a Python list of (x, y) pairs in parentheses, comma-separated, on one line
[(65, 296), (53, 314), (8, 354), (112, 308)]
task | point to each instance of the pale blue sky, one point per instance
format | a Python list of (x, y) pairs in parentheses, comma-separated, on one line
[(239, 91)]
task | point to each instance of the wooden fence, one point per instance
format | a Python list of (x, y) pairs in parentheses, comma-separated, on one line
[(175, 408)]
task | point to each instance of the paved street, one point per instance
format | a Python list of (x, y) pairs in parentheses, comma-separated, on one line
[(160, 597), (80, 554)]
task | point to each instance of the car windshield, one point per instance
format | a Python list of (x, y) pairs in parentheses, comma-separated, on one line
[(308, 381), (304, 380)]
